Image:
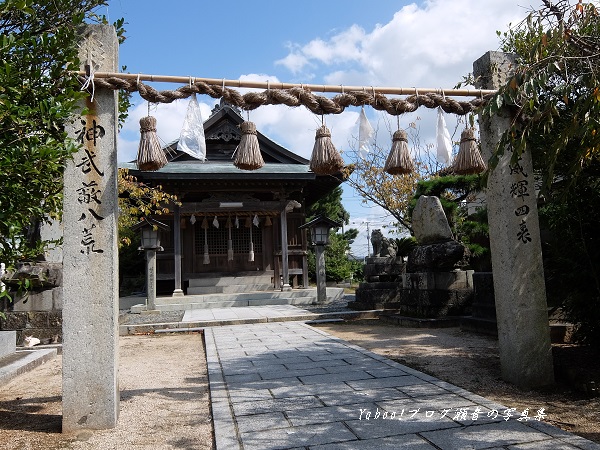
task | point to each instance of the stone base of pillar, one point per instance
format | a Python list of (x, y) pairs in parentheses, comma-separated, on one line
[(286, 287), (178, 293)]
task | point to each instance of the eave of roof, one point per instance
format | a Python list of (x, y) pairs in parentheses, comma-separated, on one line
[(199, 170)]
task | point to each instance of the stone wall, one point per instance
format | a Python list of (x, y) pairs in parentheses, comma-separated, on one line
[(417, 302), (37, 313), (40, 324)]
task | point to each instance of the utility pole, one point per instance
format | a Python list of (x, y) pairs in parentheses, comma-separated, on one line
[(368, 240)]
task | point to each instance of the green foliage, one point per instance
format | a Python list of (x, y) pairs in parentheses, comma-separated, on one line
[(554, 94), (572, 252), (405, 245), (554, 98), (137, 199), (338, 266), (330, 206), (37, 97)]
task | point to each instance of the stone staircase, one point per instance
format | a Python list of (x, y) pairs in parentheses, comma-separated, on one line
[(236, 290), (215, 283)]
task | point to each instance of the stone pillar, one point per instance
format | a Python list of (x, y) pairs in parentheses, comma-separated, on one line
[(178, 292), (521, 309), (150, 281), (321, 276), (285, 270), (90, 398)]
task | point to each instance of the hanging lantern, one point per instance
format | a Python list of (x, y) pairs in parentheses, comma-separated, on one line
[(399, 161), (325, 159), (468, 161), (150, 156), (247, 153)]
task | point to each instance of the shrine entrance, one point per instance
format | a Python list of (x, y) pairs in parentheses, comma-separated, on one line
[(234, 221)]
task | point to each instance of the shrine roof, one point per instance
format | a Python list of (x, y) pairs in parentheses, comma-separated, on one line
[(207, 170)]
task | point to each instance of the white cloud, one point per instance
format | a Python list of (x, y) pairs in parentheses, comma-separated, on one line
[(431, 44)]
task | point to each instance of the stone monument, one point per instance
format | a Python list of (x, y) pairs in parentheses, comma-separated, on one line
[(520, 292), (432, 283), (90, 256)]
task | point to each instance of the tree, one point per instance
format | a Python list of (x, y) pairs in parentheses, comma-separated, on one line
[(554, 97), (137, 199), (393, 193), (554, 93), (38, 95), (338, 265), (330, 206)]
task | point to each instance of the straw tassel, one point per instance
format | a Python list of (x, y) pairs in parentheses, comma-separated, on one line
[(399, 161), (469, 160), (268, 222), (150, 155), (247, 153), (325, 159)]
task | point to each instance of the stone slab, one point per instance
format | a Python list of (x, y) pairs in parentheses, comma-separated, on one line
[(8, 343), (429, 221), (484, 436), (288, 414), (23, 361)]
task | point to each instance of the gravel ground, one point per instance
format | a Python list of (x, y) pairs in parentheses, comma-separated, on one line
[(164, 401)]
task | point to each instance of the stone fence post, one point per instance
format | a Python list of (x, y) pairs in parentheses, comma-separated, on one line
[(520, 293)]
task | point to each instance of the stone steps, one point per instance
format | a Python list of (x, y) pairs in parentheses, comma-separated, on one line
[(228, 289), (218, 280), (219, 283), (260, 298)]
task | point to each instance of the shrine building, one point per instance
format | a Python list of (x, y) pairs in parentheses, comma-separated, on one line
[(233, 222)]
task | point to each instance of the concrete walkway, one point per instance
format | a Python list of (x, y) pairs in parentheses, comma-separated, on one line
[(286, 385)]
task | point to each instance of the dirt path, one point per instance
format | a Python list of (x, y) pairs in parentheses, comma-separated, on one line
[(164, 401), (473, 363)]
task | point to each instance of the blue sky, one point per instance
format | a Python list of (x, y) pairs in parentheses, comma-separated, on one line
[(429, 43)]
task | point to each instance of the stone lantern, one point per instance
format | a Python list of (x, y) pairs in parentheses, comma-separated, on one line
[(151, 244), (319, 228)]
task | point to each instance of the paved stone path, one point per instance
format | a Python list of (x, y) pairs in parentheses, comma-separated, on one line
[(286, 385), (244, 313)]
